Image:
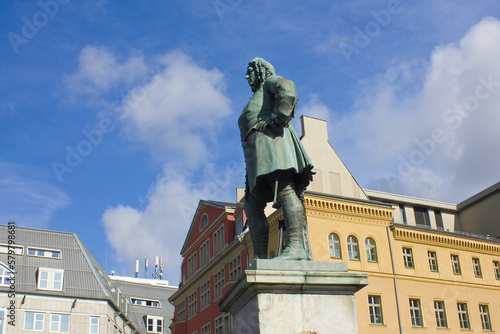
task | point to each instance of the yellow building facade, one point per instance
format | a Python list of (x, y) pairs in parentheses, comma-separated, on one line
[(420, 280), (425, 276)]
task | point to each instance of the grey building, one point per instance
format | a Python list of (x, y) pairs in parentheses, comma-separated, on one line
[(51, 283), (149, 307)]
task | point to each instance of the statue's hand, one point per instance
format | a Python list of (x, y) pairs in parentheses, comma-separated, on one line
[(260, 126)]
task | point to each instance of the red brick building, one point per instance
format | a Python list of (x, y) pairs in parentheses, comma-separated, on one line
[(212, 259)]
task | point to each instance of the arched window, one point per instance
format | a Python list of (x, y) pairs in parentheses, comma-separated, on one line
[(371, 250), (204, 221), (352, 247), (334, 243)]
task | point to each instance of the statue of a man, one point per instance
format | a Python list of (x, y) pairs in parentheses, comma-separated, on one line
[(278, 167)]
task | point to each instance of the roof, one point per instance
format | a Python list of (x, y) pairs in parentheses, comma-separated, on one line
[(490, 191), (83, 276), (396, 198)]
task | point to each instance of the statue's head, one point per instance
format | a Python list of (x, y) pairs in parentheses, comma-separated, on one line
[(258, 71)]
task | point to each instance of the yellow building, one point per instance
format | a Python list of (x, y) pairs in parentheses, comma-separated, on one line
[(425, 276)]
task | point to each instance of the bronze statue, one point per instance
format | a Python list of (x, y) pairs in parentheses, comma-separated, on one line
[(278, 167)]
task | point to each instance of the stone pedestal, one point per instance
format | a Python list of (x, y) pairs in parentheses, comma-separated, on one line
[(294, 297)]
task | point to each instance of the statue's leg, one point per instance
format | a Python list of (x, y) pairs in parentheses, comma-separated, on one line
[(293, 214), (258, 225)]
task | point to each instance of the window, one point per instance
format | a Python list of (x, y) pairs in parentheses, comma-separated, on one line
[(440, 314), (222, 324), (352, 248), (235, 268), (94, 325), (205, 329), (334, 243), (371, 250), (205, 294), (3, 320), (463, 316), (192, 304), (50, 279), (219, 239), (181, 311), (219, 325), (51, 253), (5, 275), (476, 266), (415, 313), (422, 216), (59, 323), (192, 265), (455, 264), (408, 257), (145, 302), (496, 269), (484, 311), (218, 283), (403, 214), (204, 221), (154, 324), (204, 253), (239, 224), (439, 219), (11, 249), (375, 309), (34, 321), (227, 324), (433, 264)]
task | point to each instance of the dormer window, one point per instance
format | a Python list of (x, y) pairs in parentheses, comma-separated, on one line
[(50, 279)]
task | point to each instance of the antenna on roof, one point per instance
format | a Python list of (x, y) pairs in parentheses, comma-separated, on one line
[(158, 274), (136, 273), (146, 268)]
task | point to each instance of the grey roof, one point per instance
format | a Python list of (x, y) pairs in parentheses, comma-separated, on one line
[(490, 191), (83, 276)]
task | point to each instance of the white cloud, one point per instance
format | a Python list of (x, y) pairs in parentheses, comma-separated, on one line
[(158, 230), (179, 112), (409, 117), (313, 107), (99, 70), (161, 227), (26, 198)]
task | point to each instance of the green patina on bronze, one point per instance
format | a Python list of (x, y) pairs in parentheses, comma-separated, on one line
[(277, 164)]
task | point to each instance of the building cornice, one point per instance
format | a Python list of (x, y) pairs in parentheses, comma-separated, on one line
[(447, 282), (445, 239), (348, 211)]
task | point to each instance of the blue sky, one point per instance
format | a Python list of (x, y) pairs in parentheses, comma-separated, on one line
[(118, 117)]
